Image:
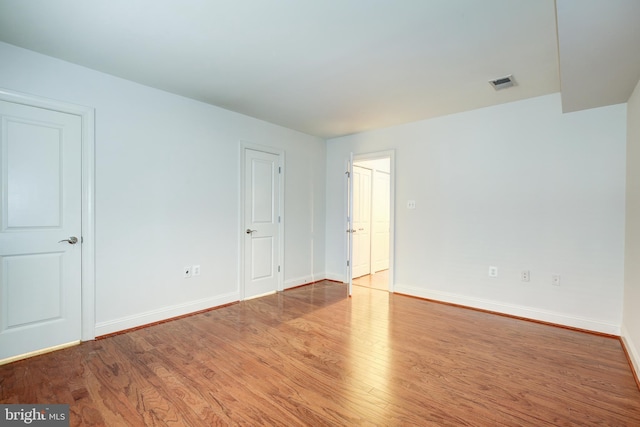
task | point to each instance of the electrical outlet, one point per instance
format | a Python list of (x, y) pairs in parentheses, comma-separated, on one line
[(555, 279), (411, 204), (196, 270), (493, 271), (525, 276), (187, 272)]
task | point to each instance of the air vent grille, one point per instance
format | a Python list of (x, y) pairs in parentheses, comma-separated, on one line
[(502, 82)]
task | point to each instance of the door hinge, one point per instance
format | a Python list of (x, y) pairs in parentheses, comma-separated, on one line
[(347, 263), (278, 219), (278, 269), (279, 169)]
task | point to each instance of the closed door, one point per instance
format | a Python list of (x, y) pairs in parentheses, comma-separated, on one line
[(361, 221), (261, 223), (40, 235)]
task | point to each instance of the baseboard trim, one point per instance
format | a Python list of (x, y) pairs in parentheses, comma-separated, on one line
[(299, 281), (335, 277), (632, 353), (163, 314), (528, 313)]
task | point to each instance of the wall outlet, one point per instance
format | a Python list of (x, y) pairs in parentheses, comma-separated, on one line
[(187, 272), (493, 271), (525, 276), (411, 204), (555, 279), (196, 270)]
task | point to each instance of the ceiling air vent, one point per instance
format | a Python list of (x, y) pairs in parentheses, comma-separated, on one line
[(502, 82)]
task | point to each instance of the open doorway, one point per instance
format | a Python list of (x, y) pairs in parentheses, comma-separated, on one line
[(372, 221)]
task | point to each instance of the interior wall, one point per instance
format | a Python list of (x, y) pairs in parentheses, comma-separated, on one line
[(167, 186), (519, 186), (631, 317)]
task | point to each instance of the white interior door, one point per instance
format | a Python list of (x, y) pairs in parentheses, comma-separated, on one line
[(261, 223), (40, 265), (361, 221), (381, 221)]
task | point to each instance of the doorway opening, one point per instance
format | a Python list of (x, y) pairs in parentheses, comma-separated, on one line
[(371, 255)]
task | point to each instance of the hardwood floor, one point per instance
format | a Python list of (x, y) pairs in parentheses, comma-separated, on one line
[(312, 356), (379, 280)]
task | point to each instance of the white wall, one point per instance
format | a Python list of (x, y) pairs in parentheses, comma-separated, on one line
[(631, 317), (167, 182), (518, 186)]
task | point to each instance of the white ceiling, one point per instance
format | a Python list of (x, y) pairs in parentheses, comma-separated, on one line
[(335, 67), (599, 51)]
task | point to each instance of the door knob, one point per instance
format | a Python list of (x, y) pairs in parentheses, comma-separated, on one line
[(249, 231), (71, 240)]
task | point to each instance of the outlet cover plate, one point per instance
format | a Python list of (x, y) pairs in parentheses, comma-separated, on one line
[(493, 271)]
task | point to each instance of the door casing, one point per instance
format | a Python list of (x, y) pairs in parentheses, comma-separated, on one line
[(244, 146), (87, 117)]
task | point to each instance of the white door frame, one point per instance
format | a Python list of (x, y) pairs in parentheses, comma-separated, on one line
[(244, 146), (87, 117), (392, 182), (349, 224)]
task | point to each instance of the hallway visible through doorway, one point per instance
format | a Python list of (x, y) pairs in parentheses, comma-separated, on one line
[(369, 215)]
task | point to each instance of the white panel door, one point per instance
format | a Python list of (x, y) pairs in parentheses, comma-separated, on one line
[(361, 221), (261, 211), (381, 221), (40, 215)]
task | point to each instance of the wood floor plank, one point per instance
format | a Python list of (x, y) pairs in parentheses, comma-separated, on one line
[(312, 356)]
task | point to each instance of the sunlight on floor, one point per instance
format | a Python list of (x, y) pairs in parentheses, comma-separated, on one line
[(379, 280)]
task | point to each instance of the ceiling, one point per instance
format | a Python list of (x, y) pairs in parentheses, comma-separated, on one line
[(599, 51), (337, 67)]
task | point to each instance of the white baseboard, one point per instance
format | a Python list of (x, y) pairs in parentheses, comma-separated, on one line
[(632, 350), (513, 310), (299, 281), (316, 277), (335, 277), (136, 320)]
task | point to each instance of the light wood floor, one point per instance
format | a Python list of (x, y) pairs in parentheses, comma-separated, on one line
[(379, 280), (312, 356)]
